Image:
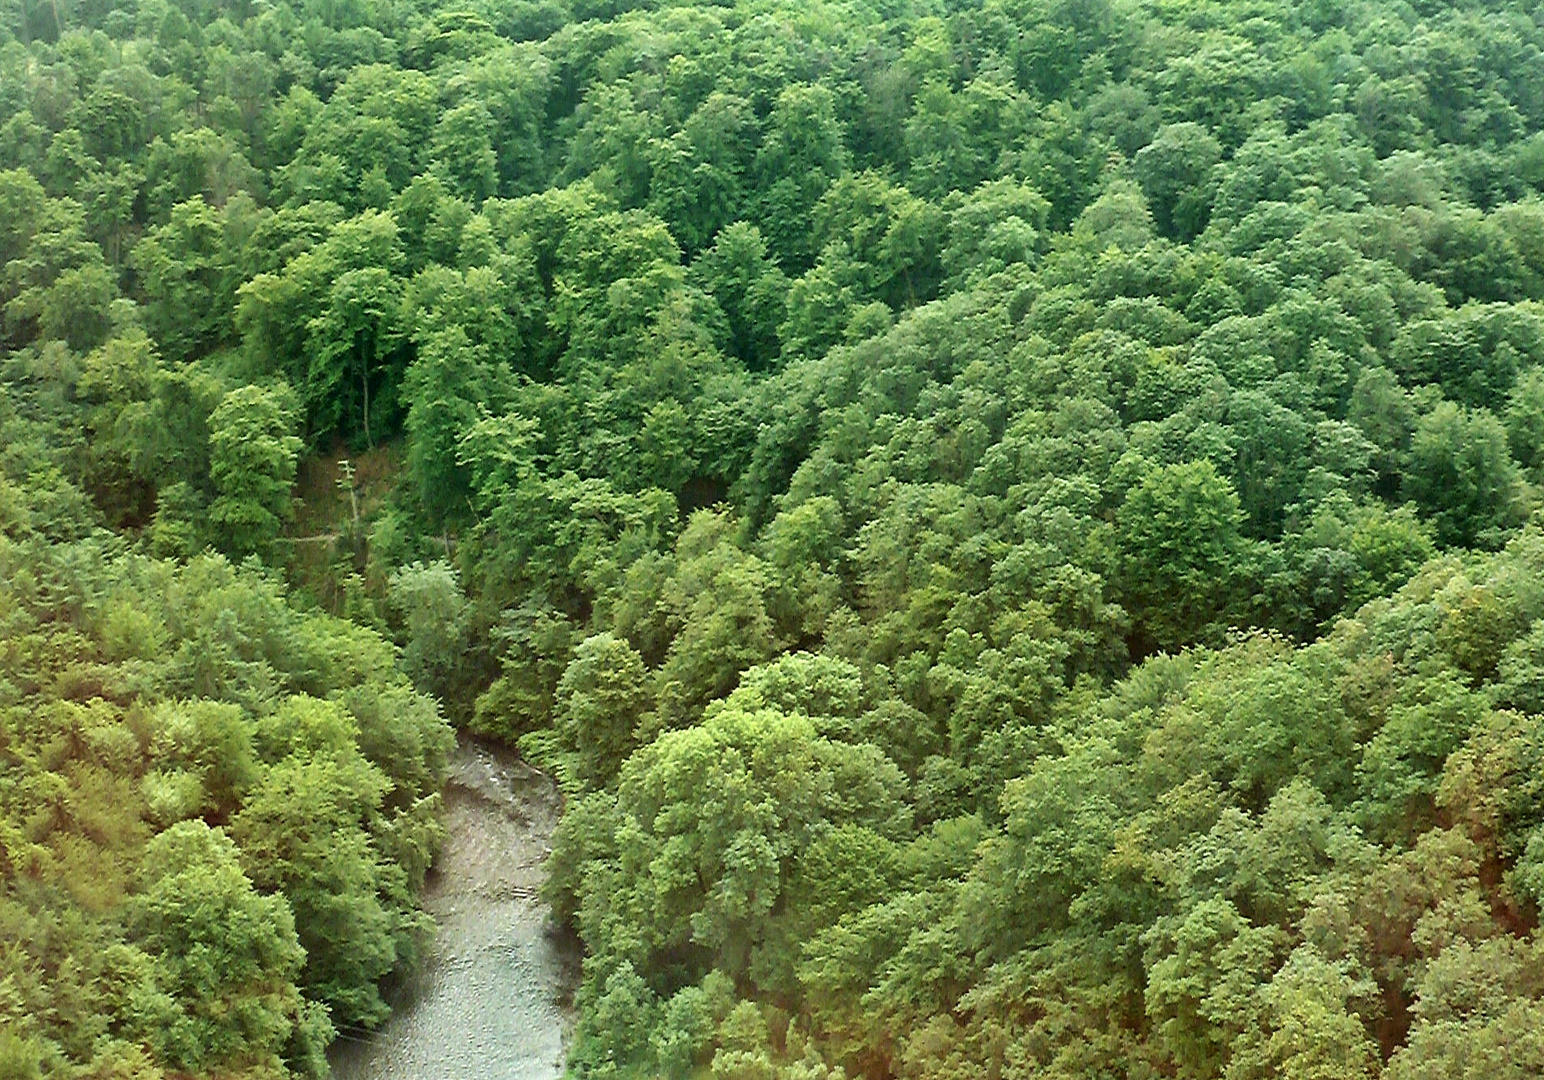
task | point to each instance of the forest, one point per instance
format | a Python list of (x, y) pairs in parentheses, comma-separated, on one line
[(1016, 525)]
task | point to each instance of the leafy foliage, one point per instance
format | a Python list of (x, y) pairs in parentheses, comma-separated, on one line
[(1013, 523)]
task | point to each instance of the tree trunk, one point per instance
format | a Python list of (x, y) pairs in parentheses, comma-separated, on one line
[(365, 383)]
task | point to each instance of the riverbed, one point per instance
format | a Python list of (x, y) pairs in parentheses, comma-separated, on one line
[(491, 1000)]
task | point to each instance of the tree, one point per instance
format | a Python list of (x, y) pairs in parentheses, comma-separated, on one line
[(1175, 172), (599, 706), (999, 224), (822, 303), (227, 958), (1202, 968), (330, 321), (956, 138), (181, 267), (750, 290), (252, 461), (462, 151), (445, 386), (1178, 536), (351, 342), (1525, 422), (302, 832), (717, 599), (1463, 477), (800, 156), (1383, 411), (514, 84), (1314, 1006), (434, 610), (611, 146), (710, 826), (374, 132), (890, 234)]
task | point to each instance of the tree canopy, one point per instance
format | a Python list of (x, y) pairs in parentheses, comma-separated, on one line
[(1014, 524)]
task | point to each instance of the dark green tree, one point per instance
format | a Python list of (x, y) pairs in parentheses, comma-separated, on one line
[(1463, 477), (1177, 533), (252, 459)]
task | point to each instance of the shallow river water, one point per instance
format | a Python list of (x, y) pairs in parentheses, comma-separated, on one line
[(490, 1002)]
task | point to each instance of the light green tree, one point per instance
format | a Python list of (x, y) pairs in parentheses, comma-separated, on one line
[(227, 958)]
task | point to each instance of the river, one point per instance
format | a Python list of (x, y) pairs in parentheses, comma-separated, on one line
[(490, 1001)]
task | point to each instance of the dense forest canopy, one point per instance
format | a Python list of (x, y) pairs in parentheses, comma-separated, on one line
[(1013, 522)]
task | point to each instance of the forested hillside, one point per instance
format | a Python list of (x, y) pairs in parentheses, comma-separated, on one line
[(1011, 521)]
